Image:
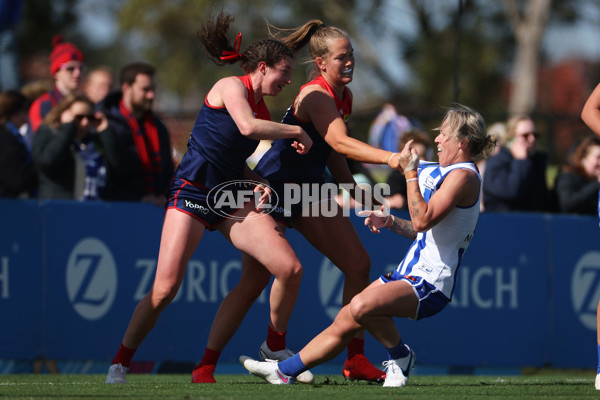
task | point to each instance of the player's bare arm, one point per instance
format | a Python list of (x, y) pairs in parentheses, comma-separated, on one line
[(231, 93), (402, 227), (591, 111), (318, 106), (460, 188), (376, 220)]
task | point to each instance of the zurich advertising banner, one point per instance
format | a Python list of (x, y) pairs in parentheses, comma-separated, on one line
[(574, 252), (72, 273), (22, 310)]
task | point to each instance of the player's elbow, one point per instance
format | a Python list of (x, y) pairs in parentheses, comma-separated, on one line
[(420, 225), (339, 140), (247, 129), (584, 116), (337, 145)]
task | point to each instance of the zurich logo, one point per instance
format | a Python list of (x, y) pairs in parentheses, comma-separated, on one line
[(91, 278), (585, 288), (331, 287)]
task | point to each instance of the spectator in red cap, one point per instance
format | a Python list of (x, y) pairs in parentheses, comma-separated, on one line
[(66, 68)]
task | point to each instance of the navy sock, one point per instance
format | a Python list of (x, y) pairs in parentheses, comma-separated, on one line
[(598, 370), (398, 351), (293, 366)]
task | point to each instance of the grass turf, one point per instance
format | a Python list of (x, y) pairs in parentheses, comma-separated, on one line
[(539, 386)]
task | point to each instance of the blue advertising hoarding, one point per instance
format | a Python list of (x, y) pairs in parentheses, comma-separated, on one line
[(575, 281), (72, 273), (22, 309)]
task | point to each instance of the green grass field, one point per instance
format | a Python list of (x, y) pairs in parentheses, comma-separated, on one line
[(552, 385)]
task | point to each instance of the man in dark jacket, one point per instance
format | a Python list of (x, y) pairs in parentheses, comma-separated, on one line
[(146, 172), (18, 177)]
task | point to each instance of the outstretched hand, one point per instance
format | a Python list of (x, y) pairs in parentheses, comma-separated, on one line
[(375, 220), (265, 195)]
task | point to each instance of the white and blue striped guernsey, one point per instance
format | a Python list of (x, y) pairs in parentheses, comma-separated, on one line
[(436, 254)]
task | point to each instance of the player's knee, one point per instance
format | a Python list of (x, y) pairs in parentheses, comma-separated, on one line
[(359, 308), (290, 273), (163, 295)]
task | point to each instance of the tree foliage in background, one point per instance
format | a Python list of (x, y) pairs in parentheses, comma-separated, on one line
[(461, 58), (164, 32), (528, 22), (459, 50), (42, 19)]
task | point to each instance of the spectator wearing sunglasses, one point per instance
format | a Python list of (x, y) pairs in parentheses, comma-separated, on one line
[(66, 68), (515, 177), (71, 151)]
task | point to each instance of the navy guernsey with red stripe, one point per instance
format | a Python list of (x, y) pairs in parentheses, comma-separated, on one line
[(42, 106), (216, 150), (281, 163)]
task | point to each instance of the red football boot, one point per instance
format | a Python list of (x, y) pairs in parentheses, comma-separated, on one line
[(204, 374), (360, 368)]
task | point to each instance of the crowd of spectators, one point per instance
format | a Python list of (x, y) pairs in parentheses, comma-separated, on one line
[(85, 139), (82, 138)]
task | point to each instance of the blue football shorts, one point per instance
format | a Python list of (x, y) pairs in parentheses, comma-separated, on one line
[(195, 200), (431, 300)]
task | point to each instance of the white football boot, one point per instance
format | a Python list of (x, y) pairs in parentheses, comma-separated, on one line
[(267, 370), (397, 371), (266, 354), (116, 374)]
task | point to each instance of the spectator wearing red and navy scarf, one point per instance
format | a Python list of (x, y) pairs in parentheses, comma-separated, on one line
[(147, 168)]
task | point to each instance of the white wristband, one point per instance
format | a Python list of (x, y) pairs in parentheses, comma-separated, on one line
[(390, 159), (411, 179), (386, 221)]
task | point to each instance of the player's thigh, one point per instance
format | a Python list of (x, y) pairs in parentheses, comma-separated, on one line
[(181, 234), (396, 298), (259, 236)]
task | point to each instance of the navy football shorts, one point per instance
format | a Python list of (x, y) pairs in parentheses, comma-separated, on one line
[(431, 300), (196, 200)]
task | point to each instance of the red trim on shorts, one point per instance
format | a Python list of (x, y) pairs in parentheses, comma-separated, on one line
[(199, 186), (179, 190), (195, 184), (174, 207), (191, 215)]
